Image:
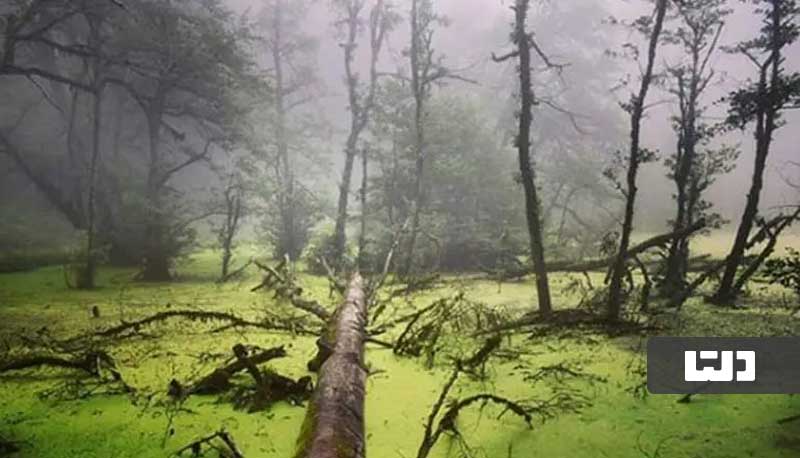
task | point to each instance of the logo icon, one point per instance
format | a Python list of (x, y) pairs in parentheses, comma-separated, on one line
[(726, 371)]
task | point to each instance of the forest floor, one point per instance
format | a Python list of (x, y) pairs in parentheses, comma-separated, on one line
[(615, 420)]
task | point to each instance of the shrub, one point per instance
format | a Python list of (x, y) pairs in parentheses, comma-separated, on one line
[(784, 271)]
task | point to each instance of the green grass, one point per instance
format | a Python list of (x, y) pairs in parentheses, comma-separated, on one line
[(399, 393)]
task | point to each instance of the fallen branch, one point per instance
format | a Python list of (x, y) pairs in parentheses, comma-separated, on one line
[(195, 315), (604, 263), (89, 362), (768, 231), (98, 365), (219, 379), (375, 285), (236, 273), (432, 434), (335, 283), (227, 449), (284, 287)]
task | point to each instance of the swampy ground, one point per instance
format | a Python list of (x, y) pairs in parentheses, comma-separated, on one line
[(615, 419)]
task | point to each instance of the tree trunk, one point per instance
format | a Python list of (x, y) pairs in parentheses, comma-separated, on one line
[(418, 87), (356, 126), (527, 175), (286, 200), (233, 212), (765, 125), (156, 262), (634, 159), (86, 280), (362, 235), (334, 422), (675, 274)]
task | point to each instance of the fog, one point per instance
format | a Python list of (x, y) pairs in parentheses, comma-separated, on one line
[(428, 228), (478, 28), (581, 114)]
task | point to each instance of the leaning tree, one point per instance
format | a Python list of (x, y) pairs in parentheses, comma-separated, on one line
[(761, 102), (652, 27)]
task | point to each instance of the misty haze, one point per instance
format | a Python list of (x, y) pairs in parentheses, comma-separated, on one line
[(395, 228)]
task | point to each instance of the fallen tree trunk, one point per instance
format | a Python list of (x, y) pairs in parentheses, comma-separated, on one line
[(603, 263), (334, 422)]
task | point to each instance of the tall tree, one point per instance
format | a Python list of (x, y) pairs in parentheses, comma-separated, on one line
[(292, 79), (697, 35), (41, 42), (425, 69), (635, 107), (86, 279), (524, 42), (761, 101), (360, 104), (189, 66)]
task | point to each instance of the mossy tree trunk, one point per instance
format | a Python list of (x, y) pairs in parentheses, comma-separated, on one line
[(334, 423)]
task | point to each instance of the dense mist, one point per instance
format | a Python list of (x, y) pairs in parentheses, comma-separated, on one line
[(425, 228)]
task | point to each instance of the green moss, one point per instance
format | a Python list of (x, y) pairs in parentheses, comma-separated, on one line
[(399, 393), (306, 429)]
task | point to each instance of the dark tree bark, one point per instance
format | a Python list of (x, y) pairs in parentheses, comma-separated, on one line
[(704, 22), (763, 105), (87, 277), (522, 39), (230, 226), (334, 422), (156, 260), (637, 107)]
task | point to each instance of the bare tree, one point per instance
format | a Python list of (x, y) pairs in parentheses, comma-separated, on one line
[(233, 212), (184, 83), (426, 70), (635, 108), (380, 22), (524, 42), (291, 80), (39, 43)]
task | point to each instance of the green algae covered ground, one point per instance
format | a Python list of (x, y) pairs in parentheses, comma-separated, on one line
[(616, 420)]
